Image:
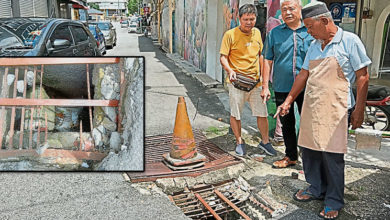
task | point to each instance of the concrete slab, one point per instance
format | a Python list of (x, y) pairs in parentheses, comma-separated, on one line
[(206, 80)]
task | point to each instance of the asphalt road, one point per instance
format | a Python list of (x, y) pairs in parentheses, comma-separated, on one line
[(126, 44), (78, 196)]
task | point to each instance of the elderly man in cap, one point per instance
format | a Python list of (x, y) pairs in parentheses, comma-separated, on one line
[(285, 50), (334, 61)]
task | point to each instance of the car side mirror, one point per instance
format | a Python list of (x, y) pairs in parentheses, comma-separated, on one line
[(61, 44)]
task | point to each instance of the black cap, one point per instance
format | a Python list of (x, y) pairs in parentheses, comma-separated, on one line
[(313, 9)]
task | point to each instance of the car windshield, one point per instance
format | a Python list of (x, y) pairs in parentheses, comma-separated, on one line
[(133, 25), (20, 34), (133, 19), (104, 26)]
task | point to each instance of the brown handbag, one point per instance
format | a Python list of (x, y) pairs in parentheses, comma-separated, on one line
[(244, 83)]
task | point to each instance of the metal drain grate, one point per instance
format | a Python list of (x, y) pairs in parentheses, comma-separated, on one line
[(207, 201), (156, 146)]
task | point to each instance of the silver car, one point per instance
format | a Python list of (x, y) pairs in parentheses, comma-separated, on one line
[(132, 28), (109, 32), (124, 24)]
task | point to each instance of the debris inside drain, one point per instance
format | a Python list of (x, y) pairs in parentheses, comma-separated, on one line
[(233, 199)]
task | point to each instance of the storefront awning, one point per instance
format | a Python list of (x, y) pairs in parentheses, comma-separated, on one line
[(79, 4)]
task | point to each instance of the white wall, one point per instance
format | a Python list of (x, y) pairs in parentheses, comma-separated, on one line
[(214, 37), (242, 2), (372, 32)]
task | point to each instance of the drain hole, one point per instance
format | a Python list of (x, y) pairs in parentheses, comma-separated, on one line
[(68, 119)]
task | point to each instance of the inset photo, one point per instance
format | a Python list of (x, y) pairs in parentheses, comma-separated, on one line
[(72, 114)]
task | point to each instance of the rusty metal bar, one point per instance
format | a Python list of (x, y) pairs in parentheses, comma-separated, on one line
[(23, 110), (11, 130), (81, 135), (40, 109), (185, 201), (89, 108), (195, 212), (207, 206), (221, 196), (121, 88), (40, 83), (46, 127), (264, 207), (39, 128), (56, 61), (58, 102), (32, 109)]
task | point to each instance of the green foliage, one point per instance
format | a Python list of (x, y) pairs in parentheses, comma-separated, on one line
[(94, 5), (217, 131), (133, 5)]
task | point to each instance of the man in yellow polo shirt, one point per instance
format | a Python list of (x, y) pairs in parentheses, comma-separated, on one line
[(241, 55)]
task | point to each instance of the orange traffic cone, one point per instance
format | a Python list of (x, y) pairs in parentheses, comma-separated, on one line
[(183, 151)]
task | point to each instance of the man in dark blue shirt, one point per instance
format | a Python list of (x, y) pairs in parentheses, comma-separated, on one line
[(285, 50)]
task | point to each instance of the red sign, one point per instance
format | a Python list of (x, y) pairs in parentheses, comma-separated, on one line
[(146, 10)]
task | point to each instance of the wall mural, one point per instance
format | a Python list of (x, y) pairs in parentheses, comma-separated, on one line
[(195, 32), (179, 28), (230, 14)]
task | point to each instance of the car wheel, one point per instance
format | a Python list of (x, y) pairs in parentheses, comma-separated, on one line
[(104, 48)]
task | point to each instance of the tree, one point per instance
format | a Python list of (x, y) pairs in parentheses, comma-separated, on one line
[(94, 5), (132, 5)]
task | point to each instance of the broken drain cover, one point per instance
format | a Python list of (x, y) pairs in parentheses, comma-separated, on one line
[(208, 201)]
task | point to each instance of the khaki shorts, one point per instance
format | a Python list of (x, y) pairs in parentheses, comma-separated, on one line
[(237, 99)]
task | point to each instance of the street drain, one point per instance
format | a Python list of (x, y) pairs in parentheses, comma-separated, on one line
[(232, 199), (212, 201), (156, 146)]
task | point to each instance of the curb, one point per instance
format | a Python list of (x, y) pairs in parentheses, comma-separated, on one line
[(190, 70)]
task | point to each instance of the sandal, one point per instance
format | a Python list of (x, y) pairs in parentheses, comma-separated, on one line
[(305, 192), (284, 163), (326, 210)]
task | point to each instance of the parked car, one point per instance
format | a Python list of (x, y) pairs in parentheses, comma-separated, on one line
[(45, 37), (99, 37), (109, 32), (132, 28), (124, 24)]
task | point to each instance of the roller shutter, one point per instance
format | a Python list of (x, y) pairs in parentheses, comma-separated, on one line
[(40, 7), (33, 8), (5, 9)]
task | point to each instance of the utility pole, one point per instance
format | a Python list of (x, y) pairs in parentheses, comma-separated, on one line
[(160, 2), (139, 7), (170, 3)]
